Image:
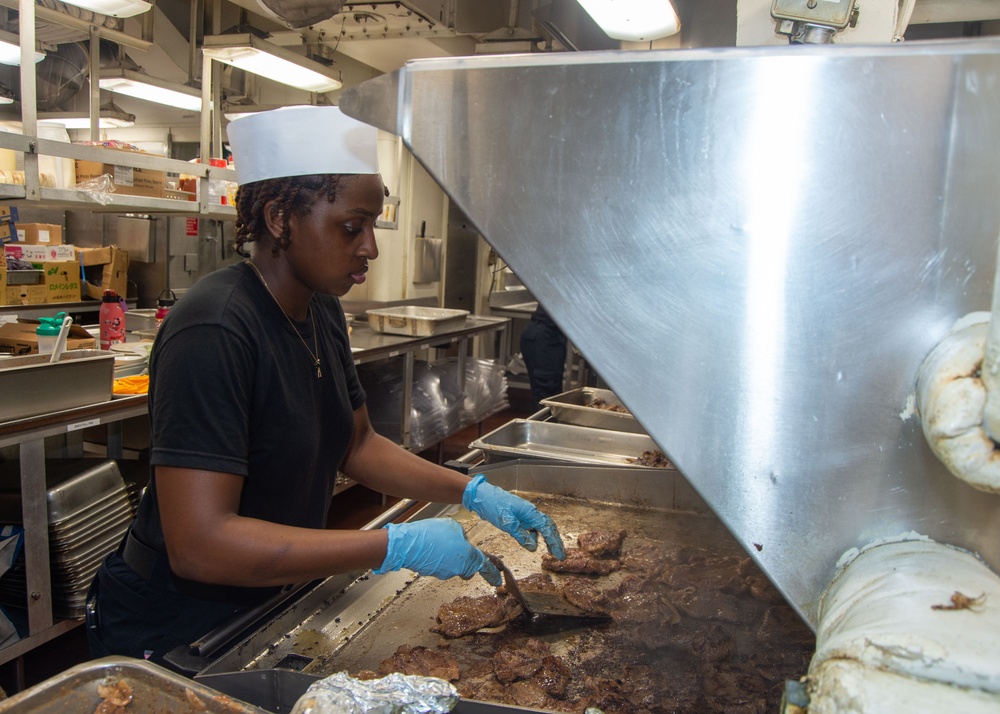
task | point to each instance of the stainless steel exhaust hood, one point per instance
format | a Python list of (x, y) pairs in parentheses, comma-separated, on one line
[(756, 248)]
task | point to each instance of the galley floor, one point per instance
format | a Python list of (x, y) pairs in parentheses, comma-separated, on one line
[(353, 508)]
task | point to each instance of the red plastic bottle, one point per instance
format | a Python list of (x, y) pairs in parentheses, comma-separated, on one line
[(164, 302), (112, 320)]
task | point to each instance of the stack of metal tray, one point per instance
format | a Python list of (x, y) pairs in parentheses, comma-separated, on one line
[(153, 689), (527, 439), (89, 512), (581, 407)]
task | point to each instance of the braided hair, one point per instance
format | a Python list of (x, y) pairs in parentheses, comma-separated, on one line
[(292, 196)]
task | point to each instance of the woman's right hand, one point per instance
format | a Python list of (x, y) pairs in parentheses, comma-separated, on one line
[(438, 547)]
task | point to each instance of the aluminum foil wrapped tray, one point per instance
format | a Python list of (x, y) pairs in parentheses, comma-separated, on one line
[(415, 321)]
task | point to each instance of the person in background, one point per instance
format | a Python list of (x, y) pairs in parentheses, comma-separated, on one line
[(255, 405), (543, 347)]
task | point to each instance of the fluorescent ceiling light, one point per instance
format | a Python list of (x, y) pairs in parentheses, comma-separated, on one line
[(252, 54), (114, 8), (634, 20), (111, 117), (10, 49), (141, 86)]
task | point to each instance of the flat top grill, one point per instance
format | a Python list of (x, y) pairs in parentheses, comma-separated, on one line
[(719, 662)]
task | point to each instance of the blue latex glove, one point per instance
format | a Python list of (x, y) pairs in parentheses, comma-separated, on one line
[(436, 546), (512, 514)]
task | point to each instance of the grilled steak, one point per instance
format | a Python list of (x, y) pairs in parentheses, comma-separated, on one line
[(466, 614), (602, 544), (421, 661), (580, 563)]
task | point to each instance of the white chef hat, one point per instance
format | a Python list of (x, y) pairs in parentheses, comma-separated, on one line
[(301, 141)]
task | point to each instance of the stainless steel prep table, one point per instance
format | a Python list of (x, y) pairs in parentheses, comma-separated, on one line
[(371, 346)]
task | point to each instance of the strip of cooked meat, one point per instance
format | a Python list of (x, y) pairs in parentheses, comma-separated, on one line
[(652, 457), (602, 544), (586, 595), (538, 583), (467, 614), (608, 406), (735, 690), (421, 661), (530, 694), (554, 676), (706, 605), (580, 563), (717, 573), (521, 661)]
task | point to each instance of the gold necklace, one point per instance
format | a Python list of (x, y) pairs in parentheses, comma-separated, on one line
[(312, 318)]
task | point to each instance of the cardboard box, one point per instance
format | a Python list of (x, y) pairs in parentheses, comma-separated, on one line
[(3, 282), (25, 294), (105, 269), (128, 180), (39, 234), (61, 280), (19, 338), (40, 253)]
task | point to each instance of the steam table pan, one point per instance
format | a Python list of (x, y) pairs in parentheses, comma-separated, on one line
[(416, 321), (154, 688), (526, 439), (577, 407), (36, 386)]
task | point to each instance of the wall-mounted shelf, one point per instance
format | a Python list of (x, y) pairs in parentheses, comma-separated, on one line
[(32, 192)]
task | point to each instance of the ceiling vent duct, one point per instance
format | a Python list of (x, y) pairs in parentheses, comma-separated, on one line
[(297, 14)]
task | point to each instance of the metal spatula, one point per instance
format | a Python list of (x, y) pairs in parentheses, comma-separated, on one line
[(539, 603)]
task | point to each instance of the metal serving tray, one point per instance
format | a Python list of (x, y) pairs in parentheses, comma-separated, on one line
[(154, 689), (576, 407), (416, 321), (34, 386), (524, 439)]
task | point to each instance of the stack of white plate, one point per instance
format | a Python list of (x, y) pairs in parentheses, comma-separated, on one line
[(89, 512), (131, 358)]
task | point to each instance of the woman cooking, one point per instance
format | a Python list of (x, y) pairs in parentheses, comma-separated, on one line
[(255, 404)]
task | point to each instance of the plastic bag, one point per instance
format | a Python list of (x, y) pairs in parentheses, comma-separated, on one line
[(98, 188), (394, 694)]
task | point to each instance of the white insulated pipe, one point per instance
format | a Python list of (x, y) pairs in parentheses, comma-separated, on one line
[(908, 626), (953, 398)]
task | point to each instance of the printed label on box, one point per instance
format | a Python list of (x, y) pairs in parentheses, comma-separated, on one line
[(124, 176)]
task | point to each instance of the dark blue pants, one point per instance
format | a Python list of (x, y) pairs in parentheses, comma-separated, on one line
[(543, 347), (132, 617)]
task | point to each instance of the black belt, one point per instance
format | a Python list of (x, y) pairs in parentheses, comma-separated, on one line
[(145, 561)]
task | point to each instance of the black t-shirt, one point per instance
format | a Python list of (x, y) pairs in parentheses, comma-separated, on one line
[(234, 389)]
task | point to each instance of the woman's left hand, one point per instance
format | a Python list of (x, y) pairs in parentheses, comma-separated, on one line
[(512, 514)]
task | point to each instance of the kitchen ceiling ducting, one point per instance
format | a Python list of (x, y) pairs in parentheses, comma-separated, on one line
[(297, 14), (61, 75)]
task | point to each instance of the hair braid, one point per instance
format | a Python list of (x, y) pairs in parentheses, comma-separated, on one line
[(292, 196)]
